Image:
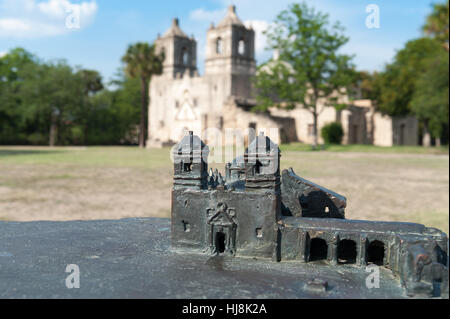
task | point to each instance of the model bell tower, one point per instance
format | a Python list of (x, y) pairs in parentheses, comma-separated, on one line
[(190, 163), (262, 165)]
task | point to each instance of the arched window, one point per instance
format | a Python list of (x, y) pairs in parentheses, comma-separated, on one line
[(241, 47), (219, 46), (185, 56)]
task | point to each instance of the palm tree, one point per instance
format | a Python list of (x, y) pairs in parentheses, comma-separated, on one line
[(141, 61)]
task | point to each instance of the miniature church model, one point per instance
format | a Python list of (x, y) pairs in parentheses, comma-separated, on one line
[(255, 212)]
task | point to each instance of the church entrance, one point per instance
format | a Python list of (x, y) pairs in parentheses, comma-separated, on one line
[(222, 230), (223, 242), (220, 242)]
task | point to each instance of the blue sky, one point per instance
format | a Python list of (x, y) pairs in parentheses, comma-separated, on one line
[(106, 27)]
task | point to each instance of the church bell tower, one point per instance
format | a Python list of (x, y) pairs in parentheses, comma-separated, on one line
[(231, 52), (180, 51)]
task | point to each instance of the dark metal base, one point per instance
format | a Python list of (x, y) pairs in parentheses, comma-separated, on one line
[(131, 258)]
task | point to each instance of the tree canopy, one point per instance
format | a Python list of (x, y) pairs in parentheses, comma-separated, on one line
[(415, 82), (430, 98), (437, 22), (396, 85), (54, 103), (309, 68)]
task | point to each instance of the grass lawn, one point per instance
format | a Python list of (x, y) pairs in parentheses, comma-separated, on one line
[(299, 147), (39, 183)]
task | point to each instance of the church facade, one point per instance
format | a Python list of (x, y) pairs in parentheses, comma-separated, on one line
[(181, 100)]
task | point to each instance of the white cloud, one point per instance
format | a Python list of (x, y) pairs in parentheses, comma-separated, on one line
[(3, 53), (32, 19)]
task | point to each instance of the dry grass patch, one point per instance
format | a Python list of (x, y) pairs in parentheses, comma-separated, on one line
[(119, 182)]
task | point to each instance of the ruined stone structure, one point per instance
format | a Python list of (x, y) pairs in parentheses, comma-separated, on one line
[(181, 100), (253, 211)]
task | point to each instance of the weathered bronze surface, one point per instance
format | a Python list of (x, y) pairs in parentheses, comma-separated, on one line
[(255, 212), (131, 258)]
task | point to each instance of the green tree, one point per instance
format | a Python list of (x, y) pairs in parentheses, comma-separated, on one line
[(437, 24), (397, 83), (91, 82), (125, 109), (364, 86), (113, 113), (141, 61), (16, 69), (53, 103), (309, 70), (51, 100), (430, 99)]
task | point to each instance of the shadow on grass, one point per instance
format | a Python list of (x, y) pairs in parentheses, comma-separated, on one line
[(10, 152)]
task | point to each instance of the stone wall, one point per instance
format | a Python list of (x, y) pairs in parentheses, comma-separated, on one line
[(239, 117), (389, 131)]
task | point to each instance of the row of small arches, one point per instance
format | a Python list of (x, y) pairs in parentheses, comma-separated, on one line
[(346, 251)]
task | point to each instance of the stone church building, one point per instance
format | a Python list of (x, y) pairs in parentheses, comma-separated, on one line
[(181, 100)]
